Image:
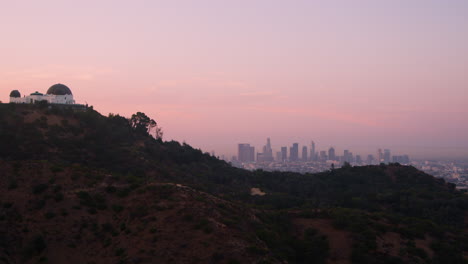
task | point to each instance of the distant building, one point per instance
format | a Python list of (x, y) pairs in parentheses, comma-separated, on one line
[(246, 153), (313, 155), (331, 154), (386, 156), (279, 156), (346, 157), (404, 159), (304, 154), (380, 156), (358, 159), (56, 94), (260, 157), (267, 154), (294, 152), (284, 154), (323, 155)]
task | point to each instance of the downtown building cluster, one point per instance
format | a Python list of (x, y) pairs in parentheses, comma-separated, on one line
[(307, 157)]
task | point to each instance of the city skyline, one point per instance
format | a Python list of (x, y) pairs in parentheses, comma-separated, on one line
[(303, 153), (354, 74)]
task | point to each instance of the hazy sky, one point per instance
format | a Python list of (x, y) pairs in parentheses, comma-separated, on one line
[(352, 74)]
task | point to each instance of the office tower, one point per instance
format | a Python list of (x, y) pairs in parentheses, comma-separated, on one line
[(358, 159), (267, 154), (386, 156), (404, 159), (279, 156), (284, 154), (260, 157), (331, 153), (323, 155), (370, 159), (304, 154), (379, 156), (294, 152), (346, 155), (246, 153), (312, 151)]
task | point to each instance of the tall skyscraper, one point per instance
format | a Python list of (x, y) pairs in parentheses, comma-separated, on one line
[(312, 151), (331, 153), (379, 156), (304, 154), (386, 156), (294, 152), (284, 153), (267, 154), (246, 153)]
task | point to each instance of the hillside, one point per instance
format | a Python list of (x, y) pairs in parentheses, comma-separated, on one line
[(81, 187)]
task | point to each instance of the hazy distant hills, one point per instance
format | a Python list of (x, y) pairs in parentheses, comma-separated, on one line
[(78, 187)]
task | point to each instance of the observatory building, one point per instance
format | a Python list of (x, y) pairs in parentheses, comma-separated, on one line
[(56, 94)]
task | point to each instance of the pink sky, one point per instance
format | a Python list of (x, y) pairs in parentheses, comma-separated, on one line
[(352, 74)]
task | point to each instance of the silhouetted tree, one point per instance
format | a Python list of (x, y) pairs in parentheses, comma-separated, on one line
[(141, 123)]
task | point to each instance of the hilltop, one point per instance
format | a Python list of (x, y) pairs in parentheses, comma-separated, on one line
[(86, 188)]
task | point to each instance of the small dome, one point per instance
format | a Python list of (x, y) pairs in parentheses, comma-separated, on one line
[(59, 89), (15, 93)]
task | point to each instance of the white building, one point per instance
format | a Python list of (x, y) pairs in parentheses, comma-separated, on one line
[(56, 94)]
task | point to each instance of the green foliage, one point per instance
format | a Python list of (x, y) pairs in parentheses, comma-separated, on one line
[(367, 201)]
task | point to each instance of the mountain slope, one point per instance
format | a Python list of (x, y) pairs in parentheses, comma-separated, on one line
[(98, 190)]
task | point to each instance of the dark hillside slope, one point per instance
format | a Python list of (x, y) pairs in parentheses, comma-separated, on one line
[(53, 214), (61, 169)]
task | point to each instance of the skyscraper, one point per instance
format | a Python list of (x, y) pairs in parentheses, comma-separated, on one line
[(331, 153), (246, 153), (386, 156), (312, 151), (294, 152), (304, 154), (284, 153), (267, 154), (379, 156)]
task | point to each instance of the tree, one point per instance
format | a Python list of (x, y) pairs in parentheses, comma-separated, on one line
[(141, 123)]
